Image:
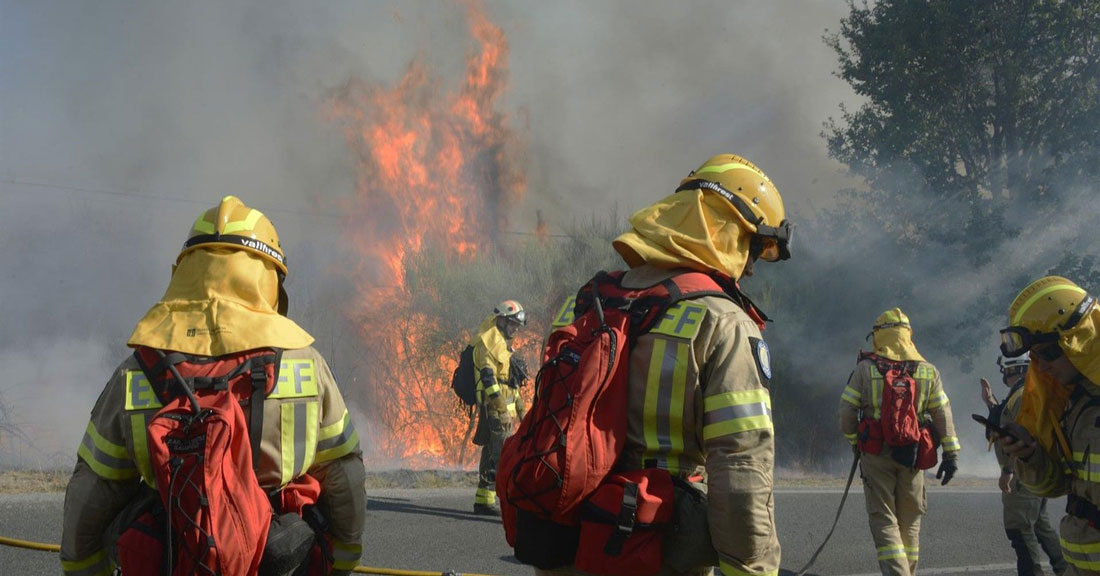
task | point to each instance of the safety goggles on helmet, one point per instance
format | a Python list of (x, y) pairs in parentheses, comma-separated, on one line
[(778, 236), (519, 317), (1018, 340)]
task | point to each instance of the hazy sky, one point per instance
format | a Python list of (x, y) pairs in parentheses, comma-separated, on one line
[(105, 103)]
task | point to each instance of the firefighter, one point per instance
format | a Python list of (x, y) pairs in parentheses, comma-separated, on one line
[(225, 296), (1055, 433), (500, 406), (699, 404), (1025, 514), (893, 483)]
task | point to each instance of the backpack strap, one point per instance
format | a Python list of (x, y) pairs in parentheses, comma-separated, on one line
[(258, 375)]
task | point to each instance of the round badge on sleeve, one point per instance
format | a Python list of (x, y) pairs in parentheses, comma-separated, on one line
[(763, 358)]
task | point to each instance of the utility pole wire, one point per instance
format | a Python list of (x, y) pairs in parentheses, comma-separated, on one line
[(139, 195)]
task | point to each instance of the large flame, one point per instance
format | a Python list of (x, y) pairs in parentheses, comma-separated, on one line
[(434, 168)]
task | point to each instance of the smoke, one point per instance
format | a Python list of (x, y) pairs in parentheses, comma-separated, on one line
[(120, 122)]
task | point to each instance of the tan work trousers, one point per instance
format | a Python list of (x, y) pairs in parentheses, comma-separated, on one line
[(895, 503), (1030, 532)]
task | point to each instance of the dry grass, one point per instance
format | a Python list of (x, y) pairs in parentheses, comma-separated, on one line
[(27, 481)]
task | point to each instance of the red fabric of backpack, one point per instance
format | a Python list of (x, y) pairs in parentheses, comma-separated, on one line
[(572, 436), (202, 457), (621, 521), (900, 425)]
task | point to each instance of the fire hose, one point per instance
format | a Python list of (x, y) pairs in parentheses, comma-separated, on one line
[(847, 487), (43, 547)]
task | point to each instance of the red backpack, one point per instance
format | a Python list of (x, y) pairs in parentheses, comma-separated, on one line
[(203, 460), (899, 425), (570, 440)]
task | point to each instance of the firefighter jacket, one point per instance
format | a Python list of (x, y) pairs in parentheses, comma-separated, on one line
[(492, 361), (699, 404), (306, 429), (1051, 474), (862, 397), (1010, 407)]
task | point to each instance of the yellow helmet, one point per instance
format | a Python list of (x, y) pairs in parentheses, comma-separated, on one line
[(511, 310), (232, 224), (756, 201), (1041, 311)]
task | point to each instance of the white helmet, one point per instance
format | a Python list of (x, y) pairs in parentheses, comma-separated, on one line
[(511, 310), (1016, 365)]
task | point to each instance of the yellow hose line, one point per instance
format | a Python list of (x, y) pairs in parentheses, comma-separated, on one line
[(15, 542), (42, 547)]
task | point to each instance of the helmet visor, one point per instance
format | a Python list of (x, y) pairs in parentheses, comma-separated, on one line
[(519, 317)]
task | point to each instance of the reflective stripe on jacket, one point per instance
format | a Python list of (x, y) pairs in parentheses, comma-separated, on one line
[(698, 400), (1051, 474)]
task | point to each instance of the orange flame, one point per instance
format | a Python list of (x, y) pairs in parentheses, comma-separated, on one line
[(434, 168)]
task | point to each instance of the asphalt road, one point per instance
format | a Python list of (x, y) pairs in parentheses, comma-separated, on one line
[(434, 530)]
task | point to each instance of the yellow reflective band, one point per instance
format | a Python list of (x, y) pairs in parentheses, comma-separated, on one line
[(141, 449), (853, 439), (735, 412), (139, 393), (676, 408), (741, 397), (565, 316), (248, 223), (890, 552), (313, 423), (729, 570), (682, 320), (652, 393), (286, 443), (939, 400), (876, 393), (94, 565), (204, 226), (345, 556), (105, 445), (721, 168), (951, 444), (337, 440), (1085, 556), (297, 379), (490, 391), (852, 396), (1035, 298), (485, 496)]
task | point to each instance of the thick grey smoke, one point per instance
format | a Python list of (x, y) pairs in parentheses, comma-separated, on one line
[(121, 121)]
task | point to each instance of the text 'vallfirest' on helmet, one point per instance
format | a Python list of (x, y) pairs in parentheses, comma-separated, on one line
[(232, 224), (511, 310), (756, 201), (1041, 311)]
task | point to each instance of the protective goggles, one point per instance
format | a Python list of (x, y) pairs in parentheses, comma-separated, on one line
[(519, 317), (774, 241), (1017, 340)]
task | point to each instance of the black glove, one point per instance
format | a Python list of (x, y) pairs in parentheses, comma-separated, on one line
[(947, 470)]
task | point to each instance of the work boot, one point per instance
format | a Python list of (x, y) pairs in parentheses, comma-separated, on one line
[(487, 510)]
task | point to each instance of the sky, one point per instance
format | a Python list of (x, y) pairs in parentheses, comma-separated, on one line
[(121, 121)]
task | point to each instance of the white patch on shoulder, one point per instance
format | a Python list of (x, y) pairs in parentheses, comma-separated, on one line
[(764, 359)]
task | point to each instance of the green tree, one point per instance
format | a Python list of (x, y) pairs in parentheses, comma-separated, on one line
[(973, 110)]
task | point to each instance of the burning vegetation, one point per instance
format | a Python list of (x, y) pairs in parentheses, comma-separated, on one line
[(436, 172)]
